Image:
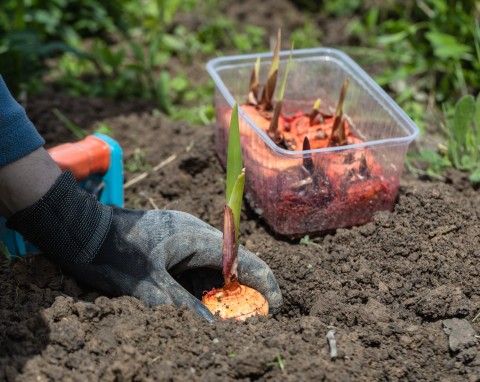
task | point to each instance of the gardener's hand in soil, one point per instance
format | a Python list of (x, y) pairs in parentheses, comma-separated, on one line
[(117, 250), (126, 252)]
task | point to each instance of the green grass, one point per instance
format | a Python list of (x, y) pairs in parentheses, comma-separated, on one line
[(461, 149), (427, 50), (137, 162), (278, 362), (5, 252), (425, 53)]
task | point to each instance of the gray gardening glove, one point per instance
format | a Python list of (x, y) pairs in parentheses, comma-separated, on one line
[(127, 252)]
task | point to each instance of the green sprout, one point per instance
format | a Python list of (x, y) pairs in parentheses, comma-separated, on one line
[(252, 98), (315, 112), (278, 362), (273, 128), (307, 241), (234, 196), (338, 137), (269, 89)]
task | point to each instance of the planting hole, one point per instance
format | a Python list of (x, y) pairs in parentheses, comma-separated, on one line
[(199, 280)]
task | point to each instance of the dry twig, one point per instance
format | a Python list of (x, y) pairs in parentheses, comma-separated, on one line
[(150, 199), (143, 175)]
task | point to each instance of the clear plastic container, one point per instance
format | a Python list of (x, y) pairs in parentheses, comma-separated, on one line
[(295, 203)]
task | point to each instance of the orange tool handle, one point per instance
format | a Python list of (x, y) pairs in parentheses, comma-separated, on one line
[(89, 156)]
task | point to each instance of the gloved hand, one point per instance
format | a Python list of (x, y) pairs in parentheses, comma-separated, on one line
[(127, 252)]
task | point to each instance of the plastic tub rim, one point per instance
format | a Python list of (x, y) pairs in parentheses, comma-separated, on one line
[(361, 77)]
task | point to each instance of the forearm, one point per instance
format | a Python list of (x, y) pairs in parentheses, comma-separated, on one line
[(26, 180), (26, 169)]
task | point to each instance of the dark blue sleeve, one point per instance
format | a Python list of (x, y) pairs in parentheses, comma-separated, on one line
[(18, 136)]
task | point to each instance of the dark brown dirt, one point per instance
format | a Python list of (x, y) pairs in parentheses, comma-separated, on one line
[(401, 292)]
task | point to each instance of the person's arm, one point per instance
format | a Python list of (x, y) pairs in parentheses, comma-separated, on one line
[(26, 170), (119, 251)]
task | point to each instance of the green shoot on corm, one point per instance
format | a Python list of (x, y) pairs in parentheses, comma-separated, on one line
[(234, 300), (235, 171)]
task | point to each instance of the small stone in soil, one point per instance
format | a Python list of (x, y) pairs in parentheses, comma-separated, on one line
[(461, 334)]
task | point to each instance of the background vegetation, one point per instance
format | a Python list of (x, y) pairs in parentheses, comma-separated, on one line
[(425, 53)]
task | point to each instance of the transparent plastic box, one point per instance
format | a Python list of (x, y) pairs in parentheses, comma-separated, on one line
[(277, 186)]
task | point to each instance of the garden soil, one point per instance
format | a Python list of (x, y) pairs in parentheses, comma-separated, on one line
[(399, 298), (398, 295)]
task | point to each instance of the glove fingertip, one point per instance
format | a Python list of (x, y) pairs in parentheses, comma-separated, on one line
[(274, 310), (203, 312), (181, 297)]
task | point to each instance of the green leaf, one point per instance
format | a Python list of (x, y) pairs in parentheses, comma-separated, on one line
[(276, 56), (475, 176), (173, 43), (178, 83), (446, 46), (454, 152), (153, 49), (430, 156), (134, 67), (234, 153), (476, 120), (137, 52), (103, 128), (371, 18), (284, 80), (162, 92), (269, 88), (273, 128), (392, 38), (471, 149), (235, 171), (57, 46), (467, 162), (462, 119), (235, 202)]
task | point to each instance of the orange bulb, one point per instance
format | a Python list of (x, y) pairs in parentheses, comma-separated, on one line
[(236, 301)]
